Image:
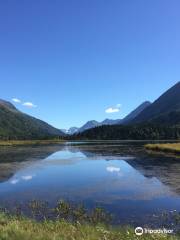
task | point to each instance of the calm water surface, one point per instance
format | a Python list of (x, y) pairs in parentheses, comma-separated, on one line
[(134, 186)]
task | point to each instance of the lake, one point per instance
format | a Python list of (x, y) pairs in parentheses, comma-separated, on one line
[(119, 176)]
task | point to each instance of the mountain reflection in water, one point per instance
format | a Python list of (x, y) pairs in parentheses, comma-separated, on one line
[(118, 176)]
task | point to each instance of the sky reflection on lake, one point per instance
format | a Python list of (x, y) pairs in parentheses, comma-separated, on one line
[(121, 184)]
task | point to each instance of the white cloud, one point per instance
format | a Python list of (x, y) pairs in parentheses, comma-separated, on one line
[(16, 100), (113, 169), (113, 109), (29, 104), (14, 181), (27, 178), (26, 104)]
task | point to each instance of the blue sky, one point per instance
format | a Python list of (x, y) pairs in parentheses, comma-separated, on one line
[(75, 59)]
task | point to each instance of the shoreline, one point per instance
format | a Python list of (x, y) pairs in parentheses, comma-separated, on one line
[(29, 142), (21, 228)]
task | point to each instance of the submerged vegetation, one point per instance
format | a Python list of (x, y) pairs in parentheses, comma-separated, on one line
[(63, 210), (167, 147)]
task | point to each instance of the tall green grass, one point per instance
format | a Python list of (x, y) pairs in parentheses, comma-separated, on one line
[(13, 228), (67, 221)]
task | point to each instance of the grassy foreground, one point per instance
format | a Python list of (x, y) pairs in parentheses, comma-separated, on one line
[(167, 147), (13, 228), (29, 142)]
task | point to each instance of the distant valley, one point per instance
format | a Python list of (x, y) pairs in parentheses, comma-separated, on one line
[(157, 120), (94, 123)]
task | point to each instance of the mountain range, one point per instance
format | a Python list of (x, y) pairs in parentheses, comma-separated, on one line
[(94, 123), (148, 118), (17, 125), (157, 120)]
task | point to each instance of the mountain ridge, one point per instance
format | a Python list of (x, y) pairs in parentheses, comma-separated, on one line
[(135, 112), (15, 124), (93, 123), (158, 121), (169, 101)]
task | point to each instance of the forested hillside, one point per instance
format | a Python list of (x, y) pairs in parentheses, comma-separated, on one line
[(17, 125), (131, 132)]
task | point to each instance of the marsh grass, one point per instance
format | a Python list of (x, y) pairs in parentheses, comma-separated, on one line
[(29, 142), (167, 147), (19, 228), (66, 221)]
